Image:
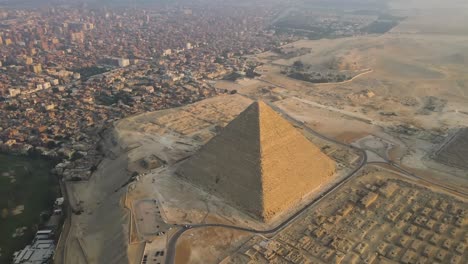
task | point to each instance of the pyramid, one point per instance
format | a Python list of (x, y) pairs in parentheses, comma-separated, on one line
[(259, 163)]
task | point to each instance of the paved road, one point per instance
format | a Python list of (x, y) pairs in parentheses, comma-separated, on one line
[(60, 252), (357, 116)]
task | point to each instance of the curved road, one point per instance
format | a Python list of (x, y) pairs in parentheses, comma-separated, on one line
[(171, 245)]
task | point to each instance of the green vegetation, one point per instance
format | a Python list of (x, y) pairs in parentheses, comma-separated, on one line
[(380, 27), (383, 24), (23, 181), (311, 31), (233, 76), (300, 71), (88, 72), (317, 77), (108, 100)]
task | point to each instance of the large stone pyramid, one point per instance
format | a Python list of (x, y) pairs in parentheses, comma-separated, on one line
[(260, 163)]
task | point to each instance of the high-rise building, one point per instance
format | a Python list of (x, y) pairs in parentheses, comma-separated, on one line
[(123, 62), (77, 37), (37, 68), (28, 60)]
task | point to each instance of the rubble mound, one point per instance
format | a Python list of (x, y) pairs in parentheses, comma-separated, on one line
[(260, 163)]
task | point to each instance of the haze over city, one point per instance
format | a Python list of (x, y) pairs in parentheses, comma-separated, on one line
[(222, 131)]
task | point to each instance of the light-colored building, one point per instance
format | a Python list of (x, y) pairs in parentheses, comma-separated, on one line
[(41, 251), (37, 68), (123, 62), (28, 61), (167, 52), (14, 92), (76, 76)]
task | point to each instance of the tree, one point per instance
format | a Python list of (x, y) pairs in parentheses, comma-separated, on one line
[(11, 107), (4, 213), (298, 64)]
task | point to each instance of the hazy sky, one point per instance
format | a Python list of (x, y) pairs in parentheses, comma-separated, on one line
[(398, 4)]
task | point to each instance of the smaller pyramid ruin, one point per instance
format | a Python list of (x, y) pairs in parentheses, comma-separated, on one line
[(259, 163)]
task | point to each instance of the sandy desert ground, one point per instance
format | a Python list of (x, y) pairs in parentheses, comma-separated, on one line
[(411, 100)]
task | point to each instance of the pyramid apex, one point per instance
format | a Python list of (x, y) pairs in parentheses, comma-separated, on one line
[(258, 110), (259, 163), (261, 104), (259, 107)]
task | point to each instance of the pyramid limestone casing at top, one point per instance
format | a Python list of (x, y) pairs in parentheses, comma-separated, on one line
[(260, 163)]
